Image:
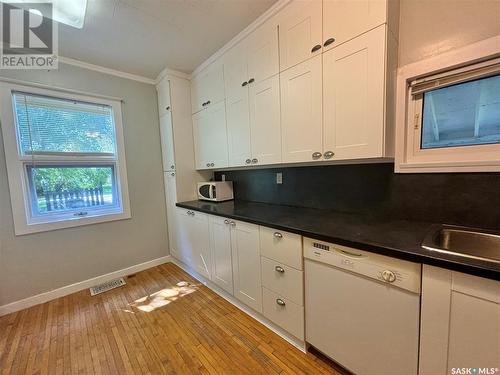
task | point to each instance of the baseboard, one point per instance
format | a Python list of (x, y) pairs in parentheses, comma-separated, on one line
[(68, 289), (299, 344)]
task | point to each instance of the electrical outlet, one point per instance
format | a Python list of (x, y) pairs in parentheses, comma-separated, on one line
[(223, 177), (279, 178)]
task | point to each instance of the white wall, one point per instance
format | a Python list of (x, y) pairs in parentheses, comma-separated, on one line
[(430, 27), (36, 263)]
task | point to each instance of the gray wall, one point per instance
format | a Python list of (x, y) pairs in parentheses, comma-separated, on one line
[(36, 263), (430, 27)]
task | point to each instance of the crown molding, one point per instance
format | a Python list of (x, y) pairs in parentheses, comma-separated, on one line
[(102, 69), (171, 72)]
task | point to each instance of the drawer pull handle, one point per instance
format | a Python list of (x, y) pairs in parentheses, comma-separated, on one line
[(278, 235), (279, 269), (280, 302), (226, 221), (315, 48)]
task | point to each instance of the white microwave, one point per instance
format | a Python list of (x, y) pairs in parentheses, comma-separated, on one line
[(215, 191)]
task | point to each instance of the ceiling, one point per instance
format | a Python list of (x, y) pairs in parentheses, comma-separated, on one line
[(144, 36)]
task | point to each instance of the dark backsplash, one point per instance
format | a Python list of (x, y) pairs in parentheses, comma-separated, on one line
[(470, 199)]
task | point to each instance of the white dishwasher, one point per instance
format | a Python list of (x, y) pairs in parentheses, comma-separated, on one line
[(362, 309)]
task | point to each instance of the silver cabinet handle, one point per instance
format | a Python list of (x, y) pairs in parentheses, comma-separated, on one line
[(316, 155), (212, 164), (280, 302), (167, 108), (278, 235), (255, 161), (208, 164), (226, 221), (248, 161), (329, 154), (233, 224), (172, 166), (172, 174), (279, 269)]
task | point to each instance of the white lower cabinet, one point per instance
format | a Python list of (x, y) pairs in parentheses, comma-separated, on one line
[(460, 323), (284, 312), (246, 264), (193, 241), (283, 279), (220, 245)]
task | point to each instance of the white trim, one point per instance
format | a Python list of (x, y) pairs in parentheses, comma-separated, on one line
[(57, 88), (280, 4), (102, 69), (167, 72), (468, 55), (76, 287), (299, 344)]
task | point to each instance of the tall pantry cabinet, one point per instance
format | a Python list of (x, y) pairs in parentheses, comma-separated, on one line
[(180, 176)]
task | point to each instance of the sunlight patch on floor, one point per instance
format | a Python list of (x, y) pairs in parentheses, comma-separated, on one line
[(162, 297)]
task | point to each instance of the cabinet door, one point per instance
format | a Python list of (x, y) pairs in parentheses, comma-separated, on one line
[(184, 237), (246, 264), (207, 86), (265, 120), (210, 137), (301, 111), (171, 200), (353, 98), (263, 52), (167, 142), (300, 32), (163, 90), (220, 245), (346, 19), (460, 326), (200, 238), (238, 121)]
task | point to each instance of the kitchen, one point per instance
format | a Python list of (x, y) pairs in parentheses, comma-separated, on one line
[(330, 177)]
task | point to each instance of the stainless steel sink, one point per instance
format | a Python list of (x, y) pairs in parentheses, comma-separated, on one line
[(469, 243)]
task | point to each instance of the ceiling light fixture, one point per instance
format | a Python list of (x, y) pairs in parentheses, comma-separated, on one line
[(68, 12)]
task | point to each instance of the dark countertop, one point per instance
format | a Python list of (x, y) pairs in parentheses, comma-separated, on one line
[(387, 236)]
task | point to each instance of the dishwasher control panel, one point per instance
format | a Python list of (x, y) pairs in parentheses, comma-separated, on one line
[(392, 271)]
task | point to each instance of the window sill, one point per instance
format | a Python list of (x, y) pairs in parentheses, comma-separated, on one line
[(23, 229)]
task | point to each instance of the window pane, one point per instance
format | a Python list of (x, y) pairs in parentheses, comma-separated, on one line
[(62, 189), (463, 114), (47, 124)]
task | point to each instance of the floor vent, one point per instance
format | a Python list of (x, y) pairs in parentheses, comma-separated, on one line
[(108, 285)]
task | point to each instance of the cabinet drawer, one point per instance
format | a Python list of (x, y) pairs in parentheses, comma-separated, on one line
[(287, 315), (281, 246), (284, 280)]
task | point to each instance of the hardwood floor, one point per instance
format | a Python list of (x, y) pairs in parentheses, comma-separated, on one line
[(162, 322)]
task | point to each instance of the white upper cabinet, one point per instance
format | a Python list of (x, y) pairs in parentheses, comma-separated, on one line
[(353, 97), (300, 32), (346, 19), (238, 119), (252, 99), (301, 111), (207, 88), (210, 137), (246, 264), (266, 121), (263, 52), (163, 90), (167, 142)]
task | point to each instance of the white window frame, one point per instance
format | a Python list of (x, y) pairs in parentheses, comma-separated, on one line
[(409, 157), (24, 222)]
